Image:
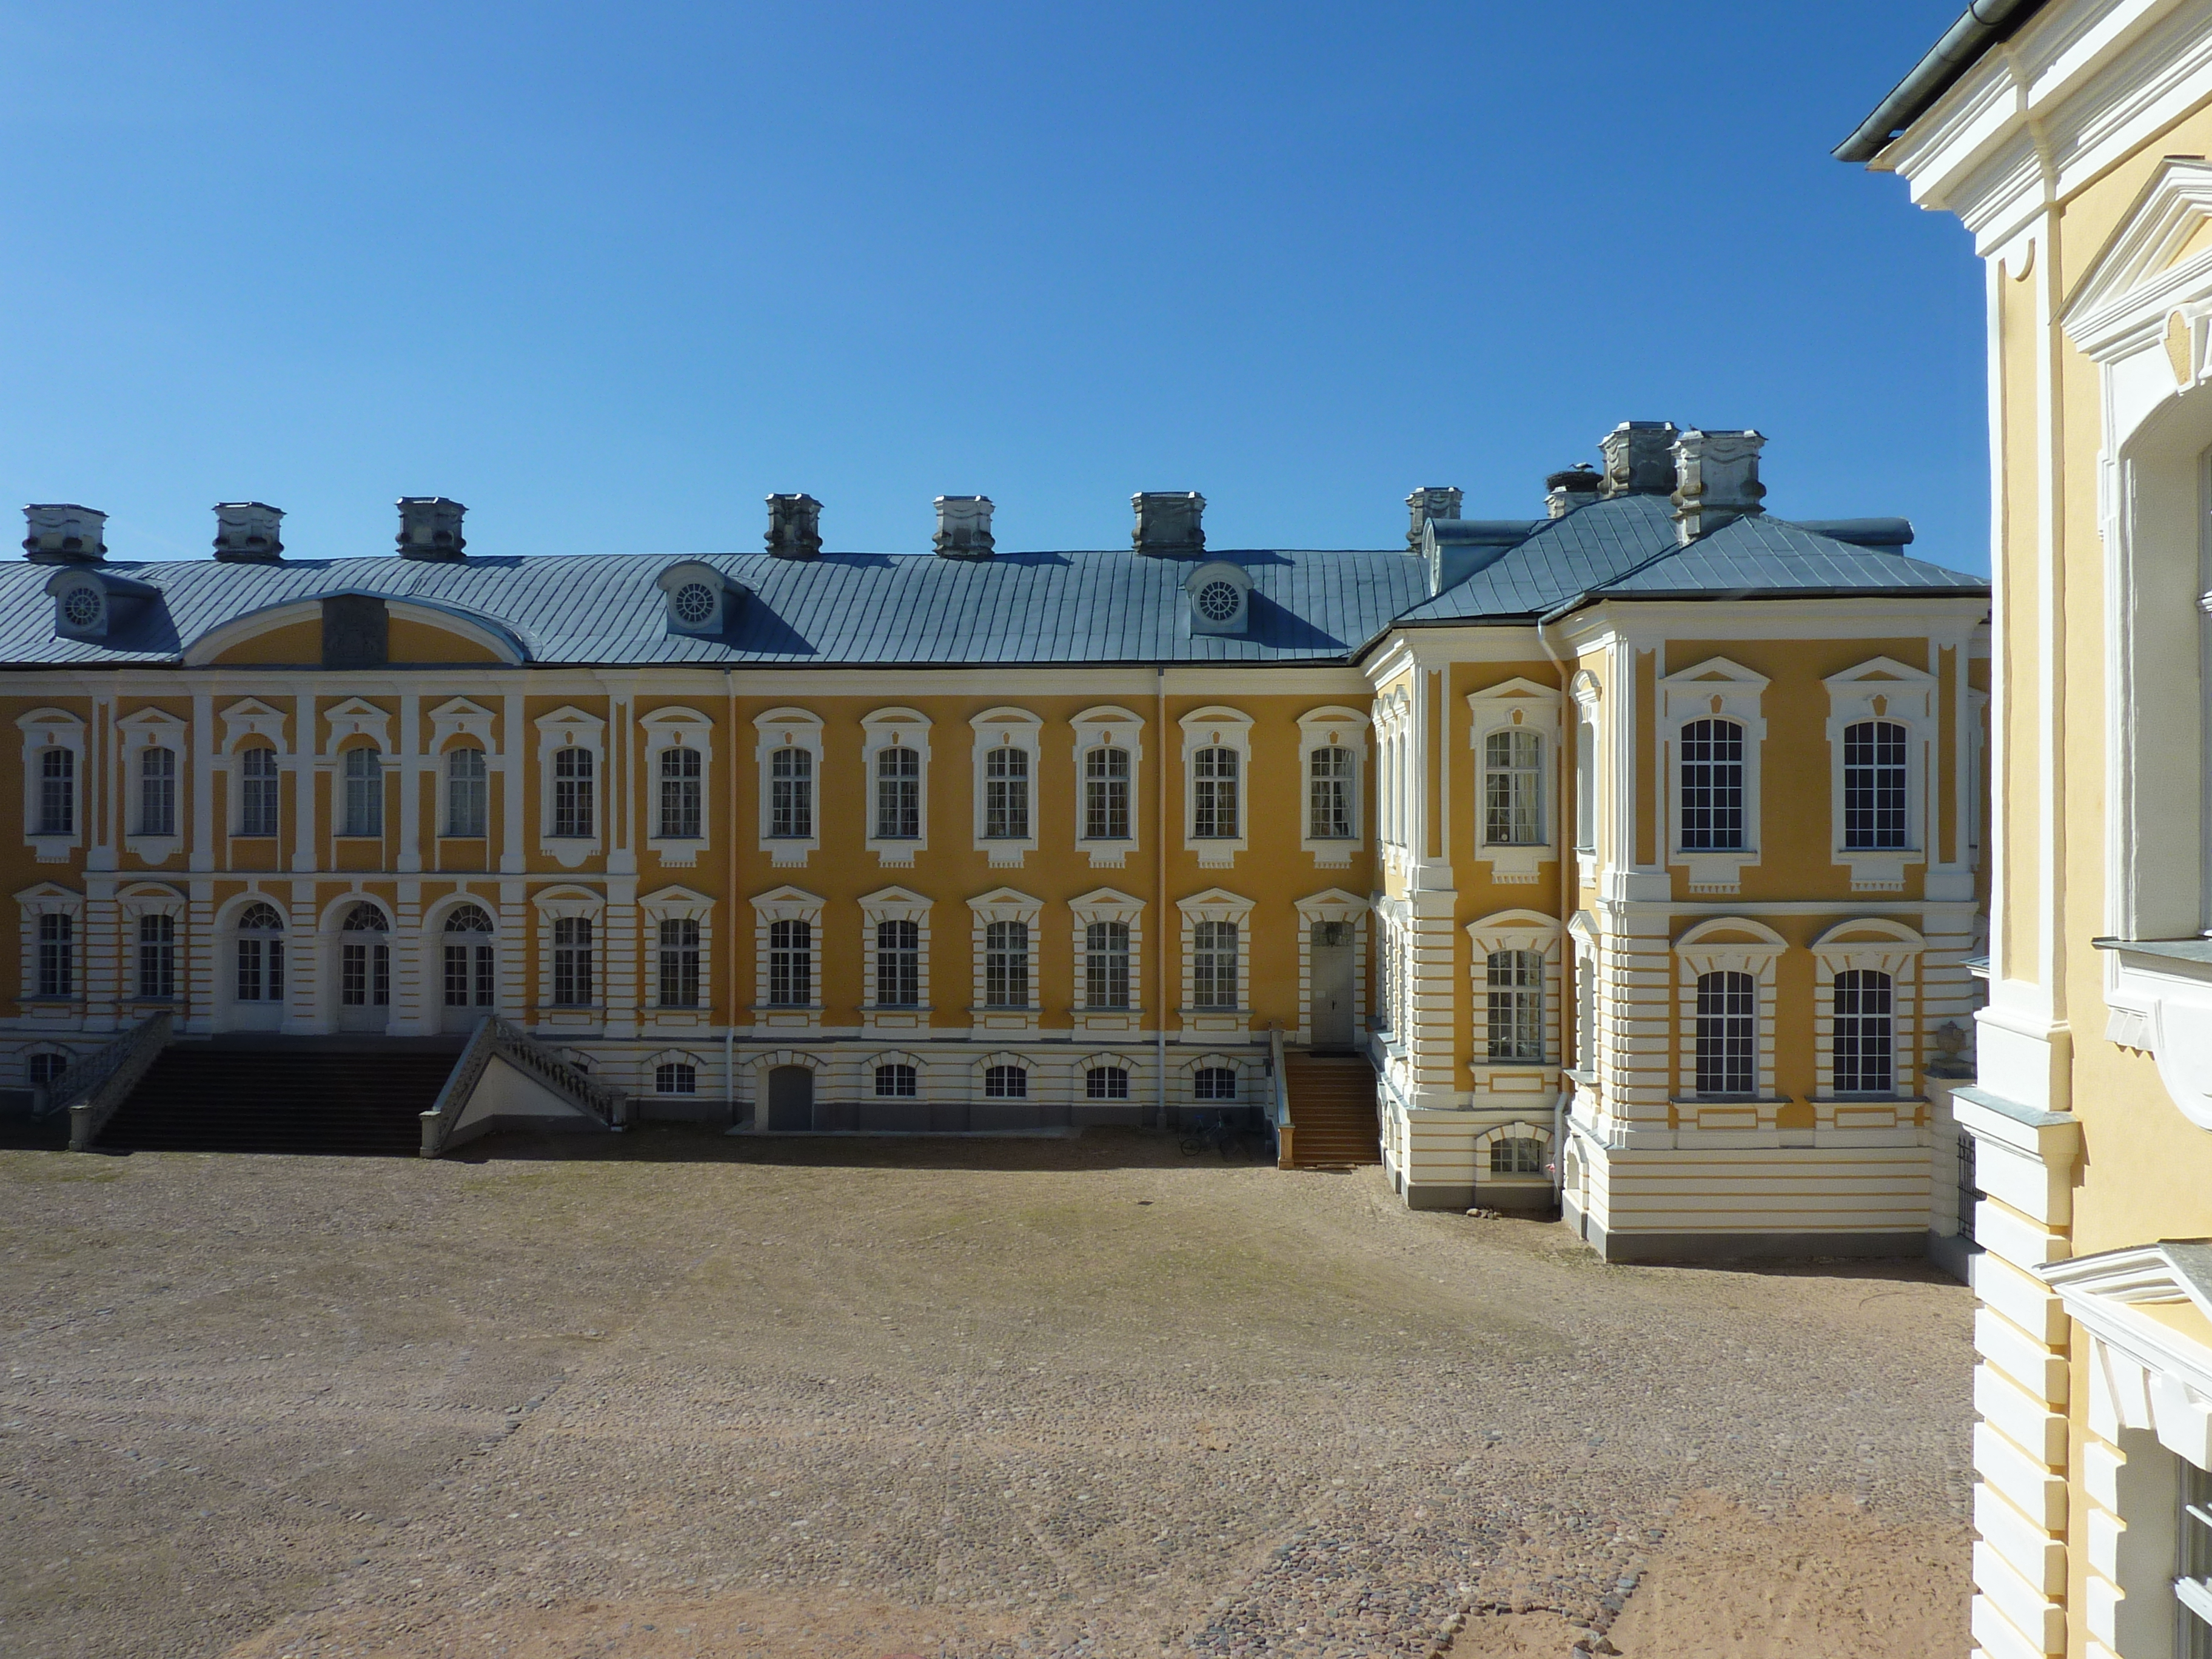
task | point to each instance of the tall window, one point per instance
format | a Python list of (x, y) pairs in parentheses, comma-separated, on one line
[(57, 955), (790, 794), (1106, 794), (362, 812), (898, 964), (157, 957), (471, 968), (1007, 964), (58, 791), (1712, 787), (1106, 964), (157, 792), (1007, 794), (898, 794), (1515, 1005), (1106, 1083), (679, 962), (1213, 795), (1006, 1082), (572, 792), (1214, 965), (1865, 1033), (259, 953), (1873, 786), (468, 792), (895, 1082), (1328, 795), (680, 772), (1516, 1155), (365, 958), (1727, 1034), (791, 958), (256, 791), (1586, 786), (573, 975), (673, 1077), (1513, 788)]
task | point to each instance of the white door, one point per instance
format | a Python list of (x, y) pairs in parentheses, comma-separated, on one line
[(1329, 1016)]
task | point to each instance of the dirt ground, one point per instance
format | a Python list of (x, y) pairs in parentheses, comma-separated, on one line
[(681, 1395)]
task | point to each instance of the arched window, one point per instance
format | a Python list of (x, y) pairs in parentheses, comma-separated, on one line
[(56, 954), (1106, 794), (1007, 794), (47, 1069), (895, 1082), (1516, 990), (1215, 1083), (1328, 795), (468, 792), (1106, 964), (573, 805), (364, 953), (1712, 787), (1865, 1061), (58, 791), (157, 957), (573, 967), (471, 967), (1006, 1082), (1214, 815), (1873, 786), (1006, 963), (258, 954), (898, 794), (1516, 1155), (1513, 788), (157, 791), (256, 791), (1106, 1083), (1727, 1041), (681, 768), (898, 964), (790, 794), (791, 959), (1214, 963), (679, 962), (673, 1077), (361, 812)]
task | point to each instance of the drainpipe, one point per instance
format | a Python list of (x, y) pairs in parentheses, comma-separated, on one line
[(1568, 1001), (1160, 888)]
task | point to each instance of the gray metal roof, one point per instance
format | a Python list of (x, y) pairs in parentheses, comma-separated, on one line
[(1759, 557)]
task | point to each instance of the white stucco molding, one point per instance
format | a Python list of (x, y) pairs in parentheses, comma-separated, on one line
[(1516, 704), (2145, 1373), (1716, 688)]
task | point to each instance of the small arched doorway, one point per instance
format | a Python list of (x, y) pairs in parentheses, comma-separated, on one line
[(790, 1097), (255, 983), (364, 969), (469, 968)]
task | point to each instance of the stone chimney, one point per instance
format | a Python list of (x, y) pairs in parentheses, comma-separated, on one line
[(1430, 501), (1717, 481), (62, 532), (247, 533), (1169, 523), (794, 527), (963, 527), (1639, 457), (430, 528), (1576, 487)]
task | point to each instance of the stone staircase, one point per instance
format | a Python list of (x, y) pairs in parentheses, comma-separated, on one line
[(305, 1095), (1331, 1111)]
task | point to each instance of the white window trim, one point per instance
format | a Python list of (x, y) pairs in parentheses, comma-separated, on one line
[(1394, 725), (865, 1086), (675, 904), (451, 721), (1004, 904), (150, 899), (1882, 946), (703, 1072), (44, 898), (1589, 694), (1519, 1129), (1248, 1070), (1333, 727), (1102, 727), (1706, 949), (1080, 1082), (786, 904), (1216, 727), (554, 904), (894, 904), (899, 728), (1883, 689), (1008, 728), (673, 726), (1106, 904), (1519, 705), (1333, 905), (1514, 930), (1716, 688), (54, 728), (1215, 904), (786, 728), (1006, 1057), (247, 719), (153, 728), (570, 727), (509, 983)]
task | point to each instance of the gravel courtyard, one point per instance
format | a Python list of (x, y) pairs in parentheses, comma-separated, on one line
[(686, 1394)]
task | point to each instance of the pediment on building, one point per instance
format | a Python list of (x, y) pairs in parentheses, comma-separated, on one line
[(2158, 263), (2149, 1308)]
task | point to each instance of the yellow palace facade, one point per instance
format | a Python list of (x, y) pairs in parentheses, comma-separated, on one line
[(1629, 850)]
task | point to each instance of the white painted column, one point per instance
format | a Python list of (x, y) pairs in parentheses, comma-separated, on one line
[(411, 762), (510, 765), (201, 783), (304, 741)]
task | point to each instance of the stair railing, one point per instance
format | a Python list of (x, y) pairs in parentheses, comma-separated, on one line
[(90, 1090), (499, 1039), (1284, 1132)]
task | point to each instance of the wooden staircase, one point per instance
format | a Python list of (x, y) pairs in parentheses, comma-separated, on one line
[(1332, 1112)]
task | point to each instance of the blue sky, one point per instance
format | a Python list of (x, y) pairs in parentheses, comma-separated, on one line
[(611, 274)]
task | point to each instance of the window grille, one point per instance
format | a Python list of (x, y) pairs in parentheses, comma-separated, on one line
[(1864, 1033), (790, 794), (2192, 1583), (1516, 1155), (364, 793), (1213, 965), (157, 792), (898, 794), (1106, 794), (573, 805), (1726, 1034), (471, 969), (1328, 795), (1513, 788), (260, 955), (573, 966), (1007, 964), (1007, 794), (157, 957), (1006, 1082), (895, 1083), (1873, 786), (47, 1068), (1214, 1083), (468, 806), (1712, 787), (1106, 964), (1515, 1005), (791, 960), (1213, 795), (364, 959), (58, 791), (680, 772), (673, 1077), (679, 962), (1970, 1192), (257, 792), (1106, 1083), (898, 964), (57, 955)]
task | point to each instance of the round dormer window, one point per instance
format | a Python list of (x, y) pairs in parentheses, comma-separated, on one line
[(1218, 601), (694, 604), (81, 607)]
